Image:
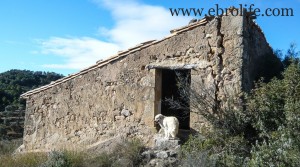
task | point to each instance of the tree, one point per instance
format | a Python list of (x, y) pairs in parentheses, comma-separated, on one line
[(15, 82), (291, 55)]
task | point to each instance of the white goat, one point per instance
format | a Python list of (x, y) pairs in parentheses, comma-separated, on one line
[(170, 125)]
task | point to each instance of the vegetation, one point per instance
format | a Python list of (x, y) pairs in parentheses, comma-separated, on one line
[(12, 84), (7, 159), (265, 132), (15, 82), (127, 154)]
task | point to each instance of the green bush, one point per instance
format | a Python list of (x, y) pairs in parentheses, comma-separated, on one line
[(280, 151), (281, 143), (216, 149), (57, 159), (265, 133)]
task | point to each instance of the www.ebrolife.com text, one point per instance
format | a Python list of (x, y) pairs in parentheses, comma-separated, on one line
[(217, 10)]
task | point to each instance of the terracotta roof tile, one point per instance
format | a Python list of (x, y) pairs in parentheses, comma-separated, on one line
[(121, 54)]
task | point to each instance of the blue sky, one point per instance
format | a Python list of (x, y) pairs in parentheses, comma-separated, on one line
[(65, 36)]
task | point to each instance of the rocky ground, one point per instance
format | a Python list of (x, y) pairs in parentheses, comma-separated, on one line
[(164, 153)]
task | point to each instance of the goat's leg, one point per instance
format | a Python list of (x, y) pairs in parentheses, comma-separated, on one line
[(166, 134)]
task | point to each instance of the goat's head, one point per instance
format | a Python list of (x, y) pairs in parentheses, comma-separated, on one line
[(158, 117)]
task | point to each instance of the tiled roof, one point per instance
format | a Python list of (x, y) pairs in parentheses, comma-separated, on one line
[(119, 55)]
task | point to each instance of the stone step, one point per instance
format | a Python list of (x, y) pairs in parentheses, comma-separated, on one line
[(162, 143)]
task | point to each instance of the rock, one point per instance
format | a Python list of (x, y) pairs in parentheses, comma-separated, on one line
[(19, 149), (162, 154), (173, 153), (162, 144), (208, 36), (148, 155), (125, 112), (155, 162), (172, 160)]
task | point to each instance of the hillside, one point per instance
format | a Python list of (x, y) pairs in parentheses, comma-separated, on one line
[(15, 82), (12, 109)]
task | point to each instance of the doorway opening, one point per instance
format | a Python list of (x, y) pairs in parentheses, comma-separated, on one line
[(170, 89)]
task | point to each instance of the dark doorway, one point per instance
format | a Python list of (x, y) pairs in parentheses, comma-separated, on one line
[(171, 90)]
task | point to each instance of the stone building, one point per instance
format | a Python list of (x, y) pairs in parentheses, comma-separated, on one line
[(119, 97)]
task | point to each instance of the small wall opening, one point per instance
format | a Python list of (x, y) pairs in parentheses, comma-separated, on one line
[(170, 89)]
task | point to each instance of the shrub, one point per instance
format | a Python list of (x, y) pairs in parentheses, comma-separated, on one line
[(103, 160), (265, 133), (215, 149), (199, 158), (280, 145), (57, 159), (277, 152), (76, 158), (22, 160), (266, 106), (130, 150), (66, 159), (126, 154)]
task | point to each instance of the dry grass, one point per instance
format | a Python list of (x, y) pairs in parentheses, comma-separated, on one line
[(7, 159), (23, 160), (125, 154), (8, 147)]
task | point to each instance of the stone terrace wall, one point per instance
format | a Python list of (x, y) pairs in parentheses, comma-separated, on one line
[(117, 100)]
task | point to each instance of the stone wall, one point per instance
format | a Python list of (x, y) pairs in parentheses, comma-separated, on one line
[(118, 100), (11, 122), (258, 57)]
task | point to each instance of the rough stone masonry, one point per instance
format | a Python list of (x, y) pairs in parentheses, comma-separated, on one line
[(119, 97)]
